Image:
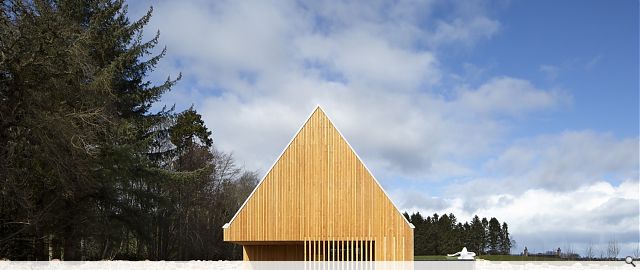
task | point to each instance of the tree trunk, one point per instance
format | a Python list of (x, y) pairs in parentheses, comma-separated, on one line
[(71, 245), (39, 248)]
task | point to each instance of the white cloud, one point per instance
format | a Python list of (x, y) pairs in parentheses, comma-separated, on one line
[(590, 208), (543, 220), (511, 96), (553, 163), (596, 213), (550, 71), (567, 161), (571, 188), (463, 30), (593, 62), (249, 59), (411, 201), (368, 60)]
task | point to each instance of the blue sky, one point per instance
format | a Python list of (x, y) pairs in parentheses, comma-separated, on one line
[(592, 44), (523, 110)]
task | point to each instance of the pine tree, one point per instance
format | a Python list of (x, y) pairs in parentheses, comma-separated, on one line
[(477, 235), (467, 239), (438, 235), (494, 236), (485, 236), (56, 114), (432, 234), (505, 239), (419, 233), (85, 167)]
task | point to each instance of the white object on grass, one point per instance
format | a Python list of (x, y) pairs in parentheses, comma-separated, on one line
[(463, 254)]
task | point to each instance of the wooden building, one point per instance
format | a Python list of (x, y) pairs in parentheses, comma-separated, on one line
[(319, 202)]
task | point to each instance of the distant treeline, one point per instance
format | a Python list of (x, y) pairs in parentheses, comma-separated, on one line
[(439, 235)]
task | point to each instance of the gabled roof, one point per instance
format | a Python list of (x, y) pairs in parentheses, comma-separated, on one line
[(318, 109)]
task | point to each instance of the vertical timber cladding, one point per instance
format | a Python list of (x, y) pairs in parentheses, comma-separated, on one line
[(319, 202)]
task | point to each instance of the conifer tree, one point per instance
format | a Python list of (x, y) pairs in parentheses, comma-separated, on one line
[(439, 235), (505, 239), (485, 236), (87, 169), (477, 235), (494, 236)]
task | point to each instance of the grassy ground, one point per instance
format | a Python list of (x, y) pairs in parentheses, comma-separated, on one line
[(489, 258), (432, 258), (518, 258)]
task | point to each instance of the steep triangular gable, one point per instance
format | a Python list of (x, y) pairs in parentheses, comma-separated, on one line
[(317, 189)]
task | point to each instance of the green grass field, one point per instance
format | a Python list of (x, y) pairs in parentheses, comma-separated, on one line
[(432, 258), (490, 258), (518, 258)]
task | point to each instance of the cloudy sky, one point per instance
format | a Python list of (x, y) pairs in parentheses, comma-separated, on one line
[(522, 110)]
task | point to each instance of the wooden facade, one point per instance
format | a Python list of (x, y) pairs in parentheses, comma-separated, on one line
[(320, 203)]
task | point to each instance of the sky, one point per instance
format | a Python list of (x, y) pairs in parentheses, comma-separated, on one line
[(526, 111)]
